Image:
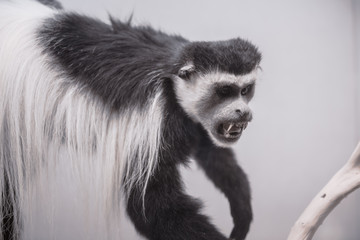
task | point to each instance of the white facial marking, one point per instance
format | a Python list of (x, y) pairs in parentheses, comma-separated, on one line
[(188, 67), (190, 92), (193, 91)]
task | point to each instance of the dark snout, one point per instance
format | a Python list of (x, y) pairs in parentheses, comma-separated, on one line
[(244, 116), (229, 129)]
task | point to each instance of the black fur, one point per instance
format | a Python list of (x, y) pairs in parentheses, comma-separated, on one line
[(125, 65), (51, 3), (102, 56), (235, 56), (220, 166)]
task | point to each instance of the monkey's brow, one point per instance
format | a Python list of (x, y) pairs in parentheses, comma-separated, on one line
[(226, 83), (247, 81)]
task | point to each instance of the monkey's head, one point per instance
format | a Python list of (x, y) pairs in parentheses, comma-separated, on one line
[(215, 82)]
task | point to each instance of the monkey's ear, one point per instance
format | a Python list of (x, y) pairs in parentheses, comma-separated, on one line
[(186, 71)]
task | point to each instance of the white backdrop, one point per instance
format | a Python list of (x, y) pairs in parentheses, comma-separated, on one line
[(356, 15), (306, 104)]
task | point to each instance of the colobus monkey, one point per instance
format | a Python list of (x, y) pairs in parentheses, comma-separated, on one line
[(106, 113)]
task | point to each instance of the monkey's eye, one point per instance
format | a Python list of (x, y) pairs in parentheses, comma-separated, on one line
[(246, 90), (227, 91), (184, 74)]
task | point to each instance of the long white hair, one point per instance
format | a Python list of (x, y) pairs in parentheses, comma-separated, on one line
[(64, 154)]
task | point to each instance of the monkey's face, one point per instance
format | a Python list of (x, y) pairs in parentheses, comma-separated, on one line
[(217, 100)]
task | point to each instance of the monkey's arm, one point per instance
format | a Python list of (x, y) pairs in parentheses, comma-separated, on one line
[(220, 166), (169, 213)]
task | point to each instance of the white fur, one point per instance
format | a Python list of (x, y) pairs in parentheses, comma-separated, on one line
[(68, 152), (188, 67)]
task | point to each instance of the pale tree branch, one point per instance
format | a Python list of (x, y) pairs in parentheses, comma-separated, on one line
[(346, 180)]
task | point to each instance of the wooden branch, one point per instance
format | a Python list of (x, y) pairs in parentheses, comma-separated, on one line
[(346, 180)]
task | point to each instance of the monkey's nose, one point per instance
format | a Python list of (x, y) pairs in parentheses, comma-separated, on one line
[(245, 116)]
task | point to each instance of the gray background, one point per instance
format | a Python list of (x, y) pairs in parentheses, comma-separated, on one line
[(307, 118)]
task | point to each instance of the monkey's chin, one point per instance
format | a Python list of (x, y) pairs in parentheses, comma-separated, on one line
[(223, 142)]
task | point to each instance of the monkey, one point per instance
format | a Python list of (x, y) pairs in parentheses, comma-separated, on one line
[(109, 111)]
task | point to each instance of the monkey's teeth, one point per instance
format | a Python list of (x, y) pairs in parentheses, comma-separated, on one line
[(230, 126), (232, 130)]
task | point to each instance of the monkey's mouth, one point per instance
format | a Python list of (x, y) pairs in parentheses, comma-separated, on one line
[(231, 131)]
